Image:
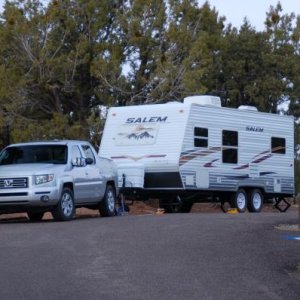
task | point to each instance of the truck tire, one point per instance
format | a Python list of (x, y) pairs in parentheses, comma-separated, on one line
[(35, 216), (65, 209), (239, 200), (107, 206), (255, 200)]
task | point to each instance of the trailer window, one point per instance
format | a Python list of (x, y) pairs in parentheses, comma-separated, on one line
[(200, 137), (278, 145), (230, 147)]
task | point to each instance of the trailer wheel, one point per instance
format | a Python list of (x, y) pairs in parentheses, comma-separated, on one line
[(256, 200), (239, 200)]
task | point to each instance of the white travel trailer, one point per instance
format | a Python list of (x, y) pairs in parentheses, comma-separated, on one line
[(194, 151)]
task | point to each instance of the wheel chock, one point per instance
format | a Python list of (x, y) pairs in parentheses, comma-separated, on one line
[(232, 211)]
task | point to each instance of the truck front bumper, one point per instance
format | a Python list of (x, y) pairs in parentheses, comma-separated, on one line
[(38, 196)]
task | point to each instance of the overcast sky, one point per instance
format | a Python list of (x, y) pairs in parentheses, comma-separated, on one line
[(255, 10)]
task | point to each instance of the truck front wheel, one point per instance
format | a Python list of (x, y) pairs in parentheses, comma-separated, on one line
[(108, 204), (65, 209)]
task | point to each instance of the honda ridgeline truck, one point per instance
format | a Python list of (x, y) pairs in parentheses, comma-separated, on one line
[(56, 176)]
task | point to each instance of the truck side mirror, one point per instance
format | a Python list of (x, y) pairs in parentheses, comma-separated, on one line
[(89, 161)]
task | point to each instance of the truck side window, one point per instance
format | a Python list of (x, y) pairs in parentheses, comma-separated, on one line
[(278, 145), (75, 153), (88, 152), (230, 147), (200, 137)]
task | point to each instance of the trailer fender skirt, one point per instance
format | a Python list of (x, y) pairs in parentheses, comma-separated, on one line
[(163, 180)]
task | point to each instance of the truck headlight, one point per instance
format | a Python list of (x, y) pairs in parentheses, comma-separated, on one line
[(40, 179)]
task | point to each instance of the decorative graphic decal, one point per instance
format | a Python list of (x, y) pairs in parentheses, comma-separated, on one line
[(256, 160), (210, 164), (242, 167), (140, 136), (247, 176), (191, 154), (132, 135), (136, 158)]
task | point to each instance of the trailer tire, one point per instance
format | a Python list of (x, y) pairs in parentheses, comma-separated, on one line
[(255, 200), (239, 200)]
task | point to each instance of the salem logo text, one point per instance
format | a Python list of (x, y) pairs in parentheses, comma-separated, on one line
[(146, 120), (254, 128)]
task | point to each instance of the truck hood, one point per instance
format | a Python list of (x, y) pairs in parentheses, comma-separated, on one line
[(28, 169)]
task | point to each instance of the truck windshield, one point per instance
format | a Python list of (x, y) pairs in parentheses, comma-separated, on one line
[(45, 154)]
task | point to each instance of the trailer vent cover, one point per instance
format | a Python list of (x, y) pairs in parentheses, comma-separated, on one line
[(203, 100)]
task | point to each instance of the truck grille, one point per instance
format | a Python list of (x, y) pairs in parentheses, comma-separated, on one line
[(9, 183)]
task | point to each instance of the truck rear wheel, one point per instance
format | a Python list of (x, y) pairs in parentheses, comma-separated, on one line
[(65, 209), (107, 206), (256, 200), (239, 200)]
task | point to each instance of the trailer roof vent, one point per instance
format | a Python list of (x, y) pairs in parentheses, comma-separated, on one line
[(203, 100), (247, 107)]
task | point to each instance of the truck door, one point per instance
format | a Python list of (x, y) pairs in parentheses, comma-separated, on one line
[(96, 182), (81, 187)]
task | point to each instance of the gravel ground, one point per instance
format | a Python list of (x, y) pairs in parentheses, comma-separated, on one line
[(151, 207)]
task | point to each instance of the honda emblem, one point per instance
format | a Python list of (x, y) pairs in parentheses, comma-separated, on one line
[(8, 182)]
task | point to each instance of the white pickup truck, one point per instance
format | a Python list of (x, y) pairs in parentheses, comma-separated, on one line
[(56, 176)]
